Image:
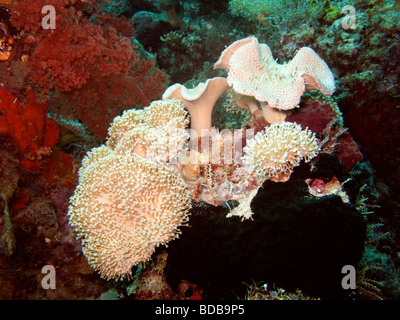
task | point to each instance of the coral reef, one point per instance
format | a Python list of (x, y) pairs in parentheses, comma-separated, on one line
[(279, 15), (185, 52), (273, 156)]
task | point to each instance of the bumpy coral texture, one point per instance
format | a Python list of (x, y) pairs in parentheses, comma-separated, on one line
[(156, 132), (129, 120), (96, 81), (253, 71), (89, 66), (124, 207), (274, 153)]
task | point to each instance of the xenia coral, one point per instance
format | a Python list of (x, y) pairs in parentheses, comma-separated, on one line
[(274, 153)]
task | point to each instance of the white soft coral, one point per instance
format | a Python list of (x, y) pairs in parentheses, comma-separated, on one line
[(252, 71)]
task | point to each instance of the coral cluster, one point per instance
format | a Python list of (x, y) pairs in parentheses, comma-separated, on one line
[(117, 181), (278, 14), (264, 292), (126, 203), (274, 153), (256, 81), (88, 65), (185, 52)]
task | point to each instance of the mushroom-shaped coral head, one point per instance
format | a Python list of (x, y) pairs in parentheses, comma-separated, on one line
[(161, 144), (199, 101), (274, 153), (123, 208), (252, 71)]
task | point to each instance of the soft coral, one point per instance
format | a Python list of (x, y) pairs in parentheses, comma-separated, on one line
[(65, 58), (88, 65)]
